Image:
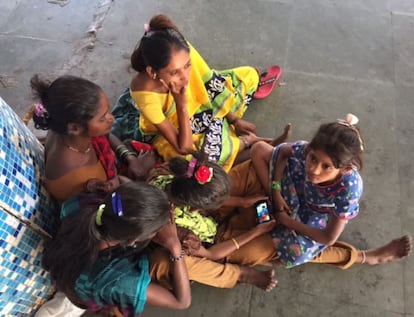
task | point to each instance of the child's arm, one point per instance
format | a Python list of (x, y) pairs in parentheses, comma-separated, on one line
[(180, 295), (261, 154), (327, 236), (223, 249)]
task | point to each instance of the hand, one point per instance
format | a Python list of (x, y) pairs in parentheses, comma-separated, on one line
[(244, 127), (96, 185), (167, 236), (178, 92), (250, 138), (191, 244), (265, 226), (139, 166), (251, 200), (280, 203)]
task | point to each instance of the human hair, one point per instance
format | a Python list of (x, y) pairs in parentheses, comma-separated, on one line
[(68, 99), (342, 142), (187, 191), (76, 246), (156, 46)]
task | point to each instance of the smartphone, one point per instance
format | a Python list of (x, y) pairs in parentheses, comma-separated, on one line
[(262, 211)]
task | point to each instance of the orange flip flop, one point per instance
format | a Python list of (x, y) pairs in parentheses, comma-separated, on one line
[(267, 82)]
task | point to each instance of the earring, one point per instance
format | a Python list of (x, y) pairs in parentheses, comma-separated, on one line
[(154, 76)]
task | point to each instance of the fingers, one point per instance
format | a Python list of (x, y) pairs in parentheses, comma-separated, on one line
[(144, 153), (183, 89), (174, 87), (164, 84), (270, 224), (256, 198)]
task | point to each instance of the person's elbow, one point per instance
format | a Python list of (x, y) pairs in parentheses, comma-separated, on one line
[(184, 303), (329, 239)]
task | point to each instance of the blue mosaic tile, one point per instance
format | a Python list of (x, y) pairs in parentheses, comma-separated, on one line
[(27, 214), (21, 179), (24, 284)]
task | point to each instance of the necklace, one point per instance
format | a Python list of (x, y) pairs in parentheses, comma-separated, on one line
[(79, 151)]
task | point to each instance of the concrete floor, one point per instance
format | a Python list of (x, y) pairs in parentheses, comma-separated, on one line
[(337, 56)]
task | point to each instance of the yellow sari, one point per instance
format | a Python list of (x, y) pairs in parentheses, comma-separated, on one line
[(211, 96)]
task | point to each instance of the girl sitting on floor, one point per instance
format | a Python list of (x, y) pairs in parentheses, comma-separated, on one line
[(107, 239), (315, 188), (184, 104), (79, 149)]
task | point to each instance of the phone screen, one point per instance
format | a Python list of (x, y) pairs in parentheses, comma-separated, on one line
[(262, 211)]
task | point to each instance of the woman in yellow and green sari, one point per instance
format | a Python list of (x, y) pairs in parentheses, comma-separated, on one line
[(184, 104)]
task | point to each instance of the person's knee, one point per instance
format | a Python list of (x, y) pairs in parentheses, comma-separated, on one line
[(258, 149)]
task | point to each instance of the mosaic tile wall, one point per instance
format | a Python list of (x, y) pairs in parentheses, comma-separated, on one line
[(27, 215)]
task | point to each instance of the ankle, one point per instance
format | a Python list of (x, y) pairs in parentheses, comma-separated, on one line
[(363, 257)]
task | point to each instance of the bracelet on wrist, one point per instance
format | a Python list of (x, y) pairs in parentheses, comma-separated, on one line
[(235, 243), (131, 153), (178, 258), (120, 149), (277, 186), (122, 152), (234, 121)]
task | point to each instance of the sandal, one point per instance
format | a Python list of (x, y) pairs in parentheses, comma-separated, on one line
[(267, 82)]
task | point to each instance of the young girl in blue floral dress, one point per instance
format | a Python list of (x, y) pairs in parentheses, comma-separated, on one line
[(315, 189)]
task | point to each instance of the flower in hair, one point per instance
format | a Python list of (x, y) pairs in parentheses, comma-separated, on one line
[(40, 111), (203, 174), (351, 119)]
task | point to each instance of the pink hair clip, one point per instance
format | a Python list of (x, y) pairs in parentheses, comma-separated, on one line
[(191, 166), (39, 110)]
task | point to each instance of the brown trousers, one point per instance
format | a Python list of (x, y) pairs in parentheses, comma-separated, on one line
[(259, 251), (201, 270)]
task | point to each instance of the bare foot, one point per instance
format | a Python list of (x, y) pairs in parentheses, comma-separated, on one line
[(261, 279), (394, 250), (284, 136)]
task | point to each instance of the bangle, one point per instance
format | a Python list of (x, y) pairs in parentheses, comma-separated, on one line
[(120, 148), (121, 151), (123, 155), (276, 185), (178, 258), (130, 153), (235, 243), (233, 122), (246, 144)]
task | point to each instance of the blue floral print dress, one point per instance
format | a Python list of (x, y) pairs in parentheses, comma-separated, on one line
[(312, 204)]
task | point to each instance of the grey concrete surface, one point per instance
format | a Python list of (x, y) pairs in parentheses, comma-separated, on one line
[(337, 56)]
